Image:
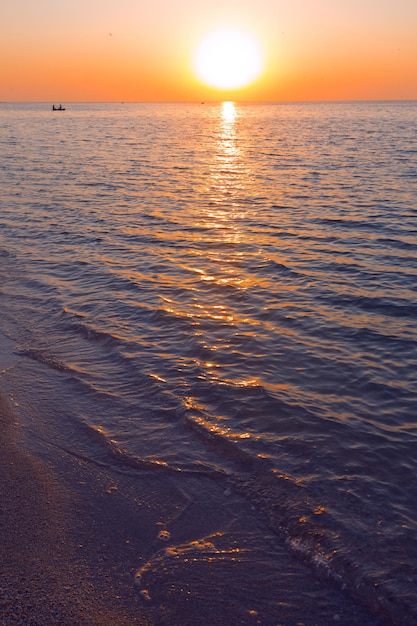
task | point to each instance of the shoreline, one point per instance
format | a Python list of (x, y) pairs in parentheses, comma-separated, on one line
[(46, 577), (88, 542), (74, 538)]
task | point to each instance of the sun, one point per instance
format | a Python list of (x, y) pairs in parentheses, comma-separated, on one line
[(228, 59)]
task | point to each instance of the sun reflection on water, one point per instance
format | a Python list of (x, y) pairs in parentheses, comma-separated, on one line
[(224, 214), (228, 150), (226, 179), (218, 261), (229, 112), (220, 248)]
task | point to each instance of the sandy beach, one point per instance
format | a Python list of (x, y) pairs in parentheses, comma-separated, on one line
[(47, 575), (73, 542)]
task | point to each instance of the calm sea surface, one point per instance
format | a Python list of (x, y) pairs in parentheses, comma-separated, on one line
[(228, 291)]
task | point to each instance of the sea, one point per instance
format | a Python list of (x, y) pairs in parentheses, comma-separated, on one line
[(228, 292)]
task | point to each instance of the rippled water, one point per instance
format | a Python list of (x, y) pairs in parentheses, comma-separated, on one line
[(230, 290)]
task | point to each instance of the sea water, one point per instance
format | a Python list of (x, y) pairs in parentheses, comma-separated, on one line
[(228, 291)]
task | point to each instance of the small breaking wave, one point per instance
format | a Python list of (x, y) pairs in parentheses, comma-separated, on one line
[(44, 357)]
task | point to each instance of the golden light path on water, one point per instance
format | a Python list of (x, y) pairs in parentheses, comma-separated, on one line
[(222, 220), (226, 290), (227, 173)]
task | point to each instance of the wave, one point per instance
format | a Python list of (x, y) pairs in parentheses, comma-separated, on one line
[(293, 511), (43, 356), (234, 325)]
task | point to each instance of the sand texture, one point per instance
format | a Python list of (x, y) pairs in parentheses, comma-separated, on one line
[(86, 544), (46, 577)]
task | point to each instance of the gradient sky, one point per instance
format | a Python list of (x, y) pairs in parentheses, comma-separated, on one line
[(142, 50)]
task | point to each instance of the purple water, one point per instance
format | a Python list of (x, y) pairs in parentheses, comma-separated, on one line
[(228, 292)]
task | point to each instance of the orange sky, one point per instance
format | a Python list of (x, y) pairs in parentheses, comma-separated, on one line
[(102, 50)]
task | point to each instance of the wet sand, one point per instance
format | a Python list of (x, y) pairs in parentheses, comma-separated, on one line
[(85, 545), (47, 577)]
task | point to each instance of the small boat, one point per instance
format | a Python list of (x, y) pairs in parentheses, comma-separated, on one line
[(60, 108)]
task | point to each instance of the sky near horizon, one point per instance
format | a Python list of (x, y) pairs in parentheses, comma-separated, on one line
[(141, 50)]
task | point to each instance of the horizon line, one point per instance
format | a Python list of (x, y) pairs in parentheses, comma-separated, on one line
[(217, 101)]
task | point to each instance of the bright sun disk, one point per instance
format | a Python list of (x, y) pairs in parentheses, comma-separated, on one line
[(228, 59)]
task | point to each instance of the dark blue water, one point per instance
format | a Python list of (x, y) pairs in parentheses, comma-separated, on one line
[(228, 291)]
